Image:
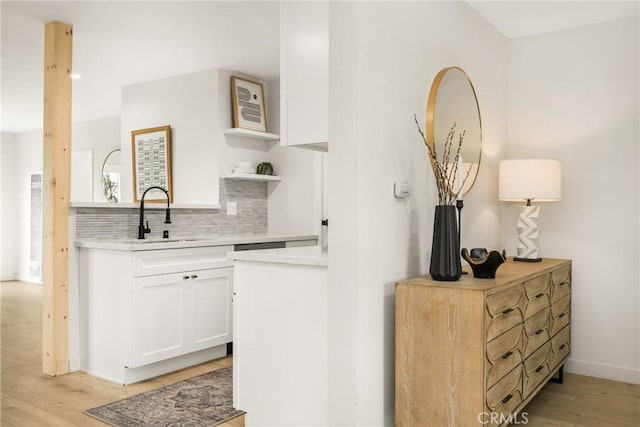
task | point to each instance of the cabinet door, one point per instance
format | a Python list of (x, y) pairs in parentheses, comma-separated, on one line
[(304, 73), (159, 304), (211, 293)]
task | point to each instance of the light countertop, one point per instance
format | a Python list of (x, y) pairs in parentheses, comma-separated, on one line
[(304, 255), (188, 242)]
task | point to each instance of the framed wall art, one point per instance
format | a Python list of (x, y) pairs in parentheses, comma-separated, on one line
[(151, 161), (248, 105)]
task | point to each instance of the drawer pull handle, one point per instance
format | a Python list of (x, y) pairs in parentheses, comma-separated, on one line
[(194, 276), (539, 331), (507, 398), (539, 368), (539, 295), (562, 346), (185, 277), (507, 311), (507, 354), (562, 315)]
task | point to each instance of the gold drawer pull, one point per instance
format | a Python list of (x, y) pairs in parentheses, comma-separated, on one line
[(562, 346), (508, 398), (507, 354), (563, 283), (539, 368), (539, 295), (539, 331), (562, 315), (507, 311)]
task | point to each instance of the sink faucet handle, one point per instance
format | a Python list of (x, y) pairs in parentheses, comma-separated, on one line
[(146, 228)]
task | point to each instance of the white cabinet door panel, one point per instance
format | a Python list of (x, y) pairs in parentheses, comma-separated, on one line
[(158, 318), (212, 290)]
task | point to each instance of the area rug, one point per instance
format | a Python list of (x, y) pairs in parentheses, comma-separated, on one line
[(202, 401)]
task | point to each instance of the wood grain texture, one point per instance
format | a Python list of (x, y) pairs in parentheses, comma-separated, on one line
[(444, 321), (30, 398), (56, 181), (492, 335)]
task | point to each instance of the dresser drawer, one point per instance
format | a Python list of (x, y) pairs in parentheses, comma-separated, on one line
[(503, 300), (537, 331), (504, 321), (536, 304), (560, 346), (536, 368), (560, 314), (506, 394), (506, 342), (561, 283), (163, 261), (537, 286)]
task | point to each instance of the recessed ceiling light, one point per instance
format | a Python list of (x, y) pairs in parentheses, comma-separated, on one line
[(76, 76)]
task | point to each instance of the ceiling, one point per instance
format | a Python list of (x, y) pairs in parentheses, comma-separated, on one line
[(526, 18), (120, 43)]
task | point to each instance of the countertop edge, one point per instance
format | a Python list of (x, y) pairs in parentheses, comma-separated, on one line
[(304, 255), (213, 241)]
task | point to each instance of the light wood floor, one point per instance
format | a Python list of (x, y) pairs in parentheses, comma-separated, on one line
[(30, 398)]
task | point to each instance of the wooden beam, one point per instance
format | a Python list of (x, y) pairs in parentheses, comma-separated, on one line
[(58, 40)]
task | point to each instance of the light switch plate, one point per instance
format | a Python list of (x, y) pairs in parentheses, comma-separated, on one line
[(232, 208)]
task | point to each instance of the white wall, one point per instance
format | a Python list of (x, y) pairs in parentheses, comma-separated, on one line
[(101, 136), (573, 95), (8, 235), (188, 104), (400, 47)]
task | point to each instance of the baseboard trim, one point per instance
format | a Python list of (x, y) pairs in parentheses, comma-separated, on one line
[(601, 370)]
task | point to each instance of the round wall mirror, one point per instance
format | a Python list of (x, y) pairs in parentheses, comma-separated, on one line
[(452, 99), (111, 176)]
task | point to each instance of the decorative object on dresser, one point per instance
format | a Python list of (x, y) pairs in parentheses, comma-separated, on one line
[(110, 176), (484, 264), (528, 180), (151, 163), (452, 100), (248, 104), (467, 351)]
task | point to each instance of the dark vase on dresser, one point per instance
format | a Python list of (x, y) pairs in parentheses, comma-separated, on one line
[(445, 249)]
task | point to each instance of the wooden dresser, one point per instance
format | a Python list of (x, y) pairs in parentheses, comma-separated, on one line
[(476, 347)]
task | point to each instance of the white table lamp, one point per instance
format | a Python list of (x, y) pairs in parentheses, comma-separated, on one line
[(529, 180)]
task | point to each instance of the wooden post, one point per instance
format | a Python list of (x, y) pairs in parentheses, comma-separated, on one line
[(58, 40)]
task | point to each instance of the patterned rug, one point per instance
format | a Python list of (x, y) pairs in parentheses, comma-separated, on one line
[(202, 401)]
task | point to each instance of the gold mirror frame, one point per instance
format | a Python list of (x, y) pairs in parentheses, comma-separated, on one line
[(431, 118)]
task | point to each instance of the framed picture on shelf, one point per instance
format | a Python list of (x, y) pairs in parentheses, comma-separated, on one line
[(248, 105), (151, 163)]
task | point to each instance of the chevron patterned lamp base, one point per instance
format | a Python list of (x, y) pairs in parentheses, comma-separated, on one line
[(528, 230)]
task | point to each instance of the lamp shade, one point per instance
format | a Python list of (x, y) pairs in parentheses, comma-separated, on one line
[(534, 179)]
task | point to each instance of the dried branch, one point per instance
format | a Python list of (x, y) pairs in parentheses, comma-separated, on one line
[(445, 176)]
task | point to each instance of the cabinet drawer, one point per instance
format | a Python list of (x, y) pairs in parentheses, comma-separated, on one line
[(560, 315), (536, 368), (537, 286), (537, 303), (504, 300), (560, 346), (561, 283), (536, 331), (503, 365), (506, 342), (507, 393), (504, 321), (148, 263)]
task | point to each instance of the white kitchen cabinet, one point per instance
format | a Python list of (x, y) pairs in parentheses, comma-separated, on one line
[(179, 313), (304, 74), (146, 313)]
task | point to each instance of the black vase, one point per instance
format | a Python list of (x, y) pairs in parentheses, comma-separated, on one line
[(445, 250)]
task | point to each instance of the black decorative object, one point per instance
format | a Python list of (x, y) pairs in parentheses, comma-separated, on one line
[(484, 264), (445, 261)]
